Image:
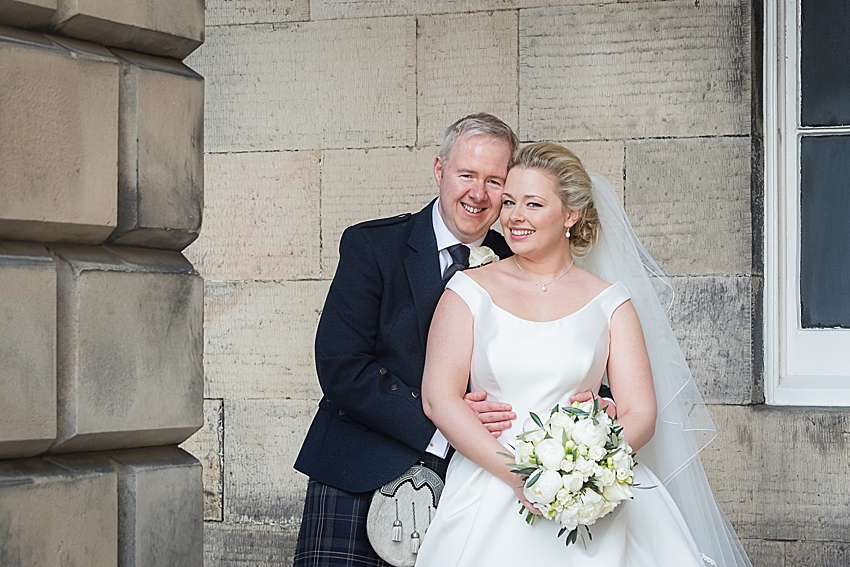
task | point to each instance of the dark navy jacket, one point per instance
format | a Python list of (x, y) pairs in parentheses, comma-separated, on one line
[(370, 353)]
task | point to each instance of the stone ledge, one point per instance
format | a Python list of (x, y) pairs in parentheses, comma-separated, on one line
[(168, 28)]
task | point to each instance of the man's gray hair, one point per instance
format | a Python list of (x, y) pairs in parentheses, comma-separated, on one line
[(473, 125)]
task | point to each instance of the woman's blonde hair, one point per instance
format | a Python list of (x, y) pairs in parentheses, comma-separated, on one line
[(574, 187)]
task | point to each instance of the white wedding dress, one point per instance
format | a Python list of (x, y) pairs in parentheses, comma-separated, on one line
[(534, 366)]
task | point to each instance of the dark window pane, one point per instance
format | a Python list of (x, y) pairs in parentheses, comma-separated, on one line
[(825, 238), (825, 62)]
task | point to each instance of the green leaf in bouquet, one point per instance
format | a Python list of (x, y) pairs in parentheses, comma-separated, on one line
[(571, 537), (564, 437), (555, 410), (536, 419), (533, 478), (525, 471), (576, 412)]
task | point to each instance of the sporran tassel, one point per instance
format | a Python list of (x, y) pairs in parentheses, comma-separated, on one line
[(414, 537), (396, 525)]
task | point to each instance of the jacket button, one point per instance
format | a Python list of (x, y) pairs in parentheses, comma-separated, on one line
[(383, 371), (414, 394), (341, 413), (394, 387)]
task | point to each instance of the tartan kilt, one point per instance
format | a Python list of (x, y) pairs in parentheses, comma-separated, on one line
[(333, 526)]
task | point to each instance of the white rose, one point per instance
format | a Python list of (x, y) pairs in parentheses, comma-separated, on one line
[(584, 432), (524, 451), (481, 256), (563, 495), (545, 489), (568, 518), (550, 452), (573, 482), (607, 477), (596, 452), (622, 474), (559, 423), (535, 436), (567, 464), (616, 492), (622, 460)]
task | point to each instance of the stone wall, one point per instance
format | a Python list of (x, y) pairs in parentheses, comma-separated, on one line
[(322, 113), (101, 341)]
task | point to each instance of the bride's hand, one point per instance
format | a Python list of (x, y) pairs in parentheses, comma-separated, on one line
[(525, 502), (605, 405)]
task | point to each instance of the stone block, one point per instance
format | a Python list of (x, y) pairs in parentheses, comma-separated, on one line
[(338, 9), (766, 553), (237, 12), (689, 201), (160, 508), (129, 349), (168, 28), (58, 512), (605, 158), (458, 57), (207, 445), (27, 14), (235, 545), (59, 148), (817, 553), (27, 350), (259, 339), (712, 318), (160, 153), (616, 71), (262, 439), (360, 185), (261, 217), (780, 473), (339, 84)]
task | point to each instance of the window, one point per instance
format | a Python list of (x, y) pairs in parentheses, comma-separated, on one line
[(807, 202)]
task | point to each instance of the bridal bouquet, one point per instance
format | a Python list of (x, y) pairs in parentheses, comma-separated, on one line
[(576, 465)]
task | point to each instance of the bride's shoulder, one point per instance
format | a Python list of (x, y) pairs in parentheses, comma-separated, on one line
[(592, 284), (489, 276)]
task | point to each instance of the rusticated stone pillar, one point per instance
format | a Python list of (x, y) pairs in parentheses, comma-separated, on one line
[(101, 316)]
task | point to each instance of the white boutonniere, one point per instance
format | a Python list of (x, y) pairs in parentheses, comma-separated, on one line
[(481, 256)]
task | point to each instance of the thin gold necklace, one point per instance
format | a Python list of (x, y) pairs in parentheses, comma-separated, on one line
[(543, 285)]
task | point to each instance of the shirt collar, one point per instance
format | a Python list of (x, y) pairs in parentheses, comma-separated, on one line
[(445, 238)]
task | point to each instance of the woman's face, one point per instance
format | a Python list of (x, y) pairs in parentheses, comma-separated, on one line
[(533, 216)]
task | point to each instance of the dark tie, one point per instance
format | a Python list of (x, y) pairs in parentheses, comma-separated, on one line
[(460, 261)]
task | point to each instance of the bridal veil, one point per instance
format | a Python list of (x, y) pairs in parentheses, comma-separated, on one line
[(684, 426)]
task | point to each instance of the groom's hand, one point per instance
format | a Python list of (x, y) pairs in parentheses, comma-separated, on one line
[(495, 416)]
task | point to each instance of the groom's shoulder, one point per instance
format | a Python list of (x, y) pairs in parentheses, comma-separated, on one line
[(394, 221)]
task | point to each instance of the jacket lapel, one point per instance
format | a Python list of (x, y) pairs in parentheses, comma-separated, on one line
[(422, 265)]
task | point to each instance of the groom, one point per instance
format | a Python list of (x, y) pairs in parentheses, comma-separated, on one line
[(370, 343)]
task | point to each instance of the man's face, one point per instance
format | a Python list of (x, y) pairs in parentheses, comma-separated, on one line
[(471, 185)]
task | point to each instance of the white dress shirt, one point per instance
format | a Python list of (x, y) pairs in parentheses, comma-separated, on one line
[(439, 445)]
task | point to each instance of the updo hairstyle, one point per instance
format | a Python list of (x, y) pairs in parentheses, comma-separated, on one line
[(574, 187)]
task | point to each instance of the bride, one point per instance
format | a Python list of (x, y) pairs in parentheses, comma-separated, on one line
[(537, 328)]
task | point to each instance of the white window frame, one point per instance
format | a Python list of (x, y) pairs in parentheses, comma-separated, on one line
[(802, 366)]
